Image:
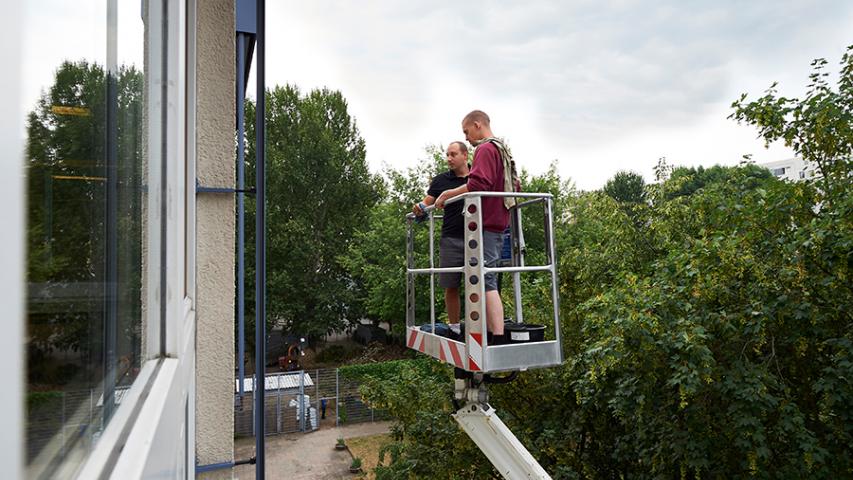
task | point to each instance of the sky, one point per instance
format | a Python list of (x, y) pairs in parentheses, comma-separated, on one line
[(594, 86)]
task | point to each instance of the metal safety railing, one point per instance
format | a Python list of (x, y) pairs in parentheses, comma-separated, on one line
[(475, 356)]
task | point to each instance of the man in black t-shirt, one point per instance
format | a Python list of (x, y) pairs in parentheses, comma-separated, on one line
[(451, 247)]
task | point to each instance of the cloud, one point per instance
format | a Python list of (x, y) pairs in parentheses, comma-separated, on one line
[(560, 79)]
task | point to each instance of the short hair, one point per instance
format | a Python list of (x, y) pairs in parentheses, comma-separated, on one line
[(476, 116), (462, 147)]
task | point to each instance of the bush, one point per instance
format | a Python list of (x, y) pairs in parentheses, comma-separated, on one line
[(335, 354)]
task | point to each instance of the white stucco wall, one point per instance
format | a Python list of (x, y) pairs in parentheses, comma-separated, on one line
[(215, 224)]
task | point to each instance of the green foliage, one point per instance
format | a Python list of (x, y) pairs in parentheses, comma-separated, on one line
[(626, 187), (818, 127), (711, 362), (393, 368), (376, 257), (707, 330), (427, 443), (337, 354), (36, 400), (687, 180), (712, 339), (66, 200), (318, 192)]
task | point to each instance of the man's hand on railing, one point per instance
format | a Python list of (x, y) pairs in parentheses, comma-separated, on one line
[(420, 211), (448, 194)]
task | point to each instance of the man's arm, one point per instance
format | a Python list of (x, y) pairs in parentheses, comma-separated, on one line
[(448, 194)]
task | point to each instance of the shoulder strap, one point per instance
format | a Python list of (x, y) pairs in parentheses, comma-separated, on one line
[(511, 180)]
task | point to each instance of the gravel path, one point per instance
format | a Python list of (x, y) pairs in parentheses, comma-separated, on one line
[(306, 456)]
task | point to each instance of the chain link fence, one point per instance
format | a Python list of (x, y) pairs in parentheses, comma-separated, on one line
[(303, 401)]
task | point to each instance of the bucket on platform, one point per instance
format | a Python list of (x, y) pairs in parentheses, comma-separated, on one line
[(524, 332), (457, 332)]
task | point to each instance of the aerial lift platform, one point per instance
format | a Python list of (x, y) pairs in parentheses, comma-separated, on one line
[(476, 361)]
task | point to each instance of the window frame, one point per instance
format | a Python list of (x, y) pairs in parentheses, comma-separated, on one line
[(13, 253), (163, 393)]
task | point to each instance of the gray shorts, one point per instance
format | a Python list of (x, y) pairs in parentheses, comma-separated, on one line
[(493, 243), (451, 253)]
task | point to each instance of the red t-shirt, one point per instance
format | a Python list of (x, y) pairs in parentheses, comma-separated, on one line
[(487, 175)]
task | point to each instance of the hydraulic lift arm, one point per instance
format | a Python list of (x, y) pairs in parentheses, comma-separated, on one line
[(494, 439)]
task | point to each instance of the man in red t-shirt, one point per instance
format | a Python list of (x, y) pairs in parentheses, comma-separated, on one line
[(486, 175)]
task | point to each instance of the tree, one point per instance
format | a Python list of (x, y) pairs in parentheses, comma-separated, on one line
[(711, 339), (417, 393), (319, 192), (377, 257), (819, 127), (687, 180), (66, 157), (626, 187)]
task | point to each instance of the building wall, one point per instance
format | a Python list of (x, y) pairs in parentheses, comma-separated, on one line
[(793, 169), (215, 230)]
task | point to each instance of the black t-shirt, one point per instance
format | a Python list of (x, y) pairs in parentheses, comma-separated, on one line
[(452, 225)]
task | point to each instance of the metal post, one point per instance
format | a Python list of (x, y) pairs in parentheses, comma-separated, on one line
[(431, 266), (260, 241), (301, 401), (337, 399), (241, 220), (518, 233), (254, 418), (278, 405), (317, 395), (410, 277), (63, 441), (555, 294)]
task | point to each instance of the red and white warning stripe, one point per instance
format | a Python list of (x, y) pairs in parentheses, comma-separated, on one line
[(475, 351), (442, 348), (416, 340), (452, 352)]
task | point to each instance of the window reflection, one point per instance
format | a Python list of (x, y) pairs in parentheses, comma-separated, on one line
[(86, 205)]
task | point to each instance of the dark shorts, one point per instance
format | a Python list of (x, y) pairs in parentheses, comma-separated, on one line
[(451, 253), (493, 242)]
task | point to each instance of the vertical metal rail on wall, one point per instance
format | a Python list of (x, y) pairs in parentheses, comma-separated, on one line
[(241, 214), (246, 32), (260, 241)]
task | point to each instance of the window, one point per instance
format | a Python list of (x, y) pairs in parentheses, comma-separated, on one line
[(778, 172), (94, 223)]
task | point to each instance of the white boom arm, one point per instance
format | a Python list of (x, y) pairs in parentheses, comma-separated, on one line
[(506, 453)]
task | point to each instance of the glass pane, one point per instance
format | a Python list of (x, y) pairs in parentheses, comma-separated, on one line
[(88, 222)]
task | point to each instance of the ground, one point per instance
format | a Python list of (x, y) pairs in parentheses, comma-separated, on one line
[(367, 448), (307, 456)]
